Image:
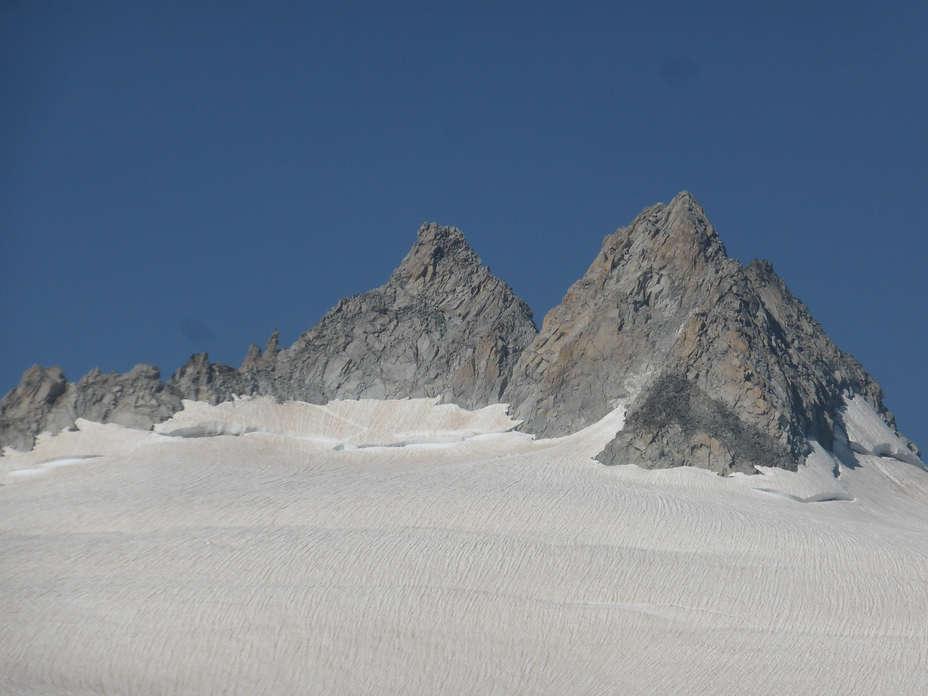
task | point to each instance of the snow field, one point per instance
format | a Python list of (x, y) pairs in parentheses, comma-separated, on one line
[(493, 564)]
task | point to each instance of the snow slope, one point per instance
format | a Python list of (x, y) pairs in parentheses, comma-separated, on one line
[(436, 551)]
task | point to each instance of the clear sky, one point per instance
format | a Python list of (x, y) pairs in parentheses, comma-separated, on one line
[(187, 176)]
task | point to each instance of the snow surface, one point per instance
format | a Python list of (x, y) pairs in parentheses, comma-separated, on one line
[(479, 560)]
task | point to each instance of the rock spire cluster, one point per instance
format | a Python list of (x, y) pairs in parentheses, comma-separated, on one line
[(718, 365)]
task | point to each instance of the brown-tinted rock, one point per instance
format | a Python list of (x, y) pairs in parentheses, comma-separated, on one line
[(618, 324), (719, 365), (722, 367)]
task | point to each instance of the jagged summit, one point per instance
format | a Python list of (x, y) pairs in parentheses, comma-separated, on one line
[(717, 364), (438, 251), (442, 325), (720, 366), (45, 401), (617, 323)]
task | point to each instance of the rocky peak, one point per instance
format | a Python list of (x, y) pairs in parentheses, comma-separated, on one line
[(442, 325), (201, 380), (618, 322), (46, 402), (273, 346), (438, 251), (39, 385), (749, 379), (253, 359), (720, 366), (25, 411)]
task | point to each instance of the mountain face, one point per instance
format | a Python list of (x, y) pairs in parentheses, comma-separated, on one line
[(718, 365), (618, 323), (442, 325)]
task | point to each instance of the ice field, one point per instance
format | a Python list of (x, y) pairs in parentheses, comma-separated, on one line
[(406, 547)]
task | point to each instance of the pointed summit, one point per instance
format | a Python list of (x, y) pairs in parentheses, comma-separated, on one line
[(273, 346), (618, 322), (720, 366), (442, 325), (715, 365), (438, 250)]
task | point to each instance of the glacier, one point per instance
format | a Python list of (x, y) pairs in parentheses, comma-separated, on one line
[(238, 549)]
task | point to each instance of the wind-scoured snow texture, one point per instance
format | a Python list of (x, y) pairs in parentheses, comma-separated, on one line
[(267, 564), (724, 367), (365, 423)]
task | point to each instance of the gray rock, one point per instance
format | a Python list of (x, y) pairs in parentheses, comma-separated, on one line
[(442, 325), (28, 409), (136, 399), (45, 401), (201, 380), (720, 366)]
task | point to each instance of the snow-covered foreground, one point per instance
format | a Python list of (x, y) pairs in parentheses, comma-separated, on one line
[(433, 552)]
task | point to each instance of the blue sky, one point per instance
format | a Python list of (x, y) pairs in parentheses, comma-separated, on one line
[(187, 176)]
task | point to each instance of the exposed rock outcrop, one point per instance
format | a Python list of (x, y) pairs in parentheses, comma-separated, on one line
[(45, 401), (29, 409), (442, 325), (619, 322), (719, 365)]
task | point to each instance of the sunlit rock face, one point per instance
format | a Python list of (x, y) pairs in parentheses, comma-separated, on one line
[(442, 325), (718, 365)]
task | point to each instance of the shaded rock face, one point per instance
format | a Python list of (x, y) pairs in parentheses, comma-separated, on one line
[(201, 380), (679, 424)]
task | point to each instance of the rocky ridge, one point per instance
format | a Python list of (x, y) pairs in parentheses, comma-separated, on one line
[(443, 325), (45, 401), (718, 365)]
